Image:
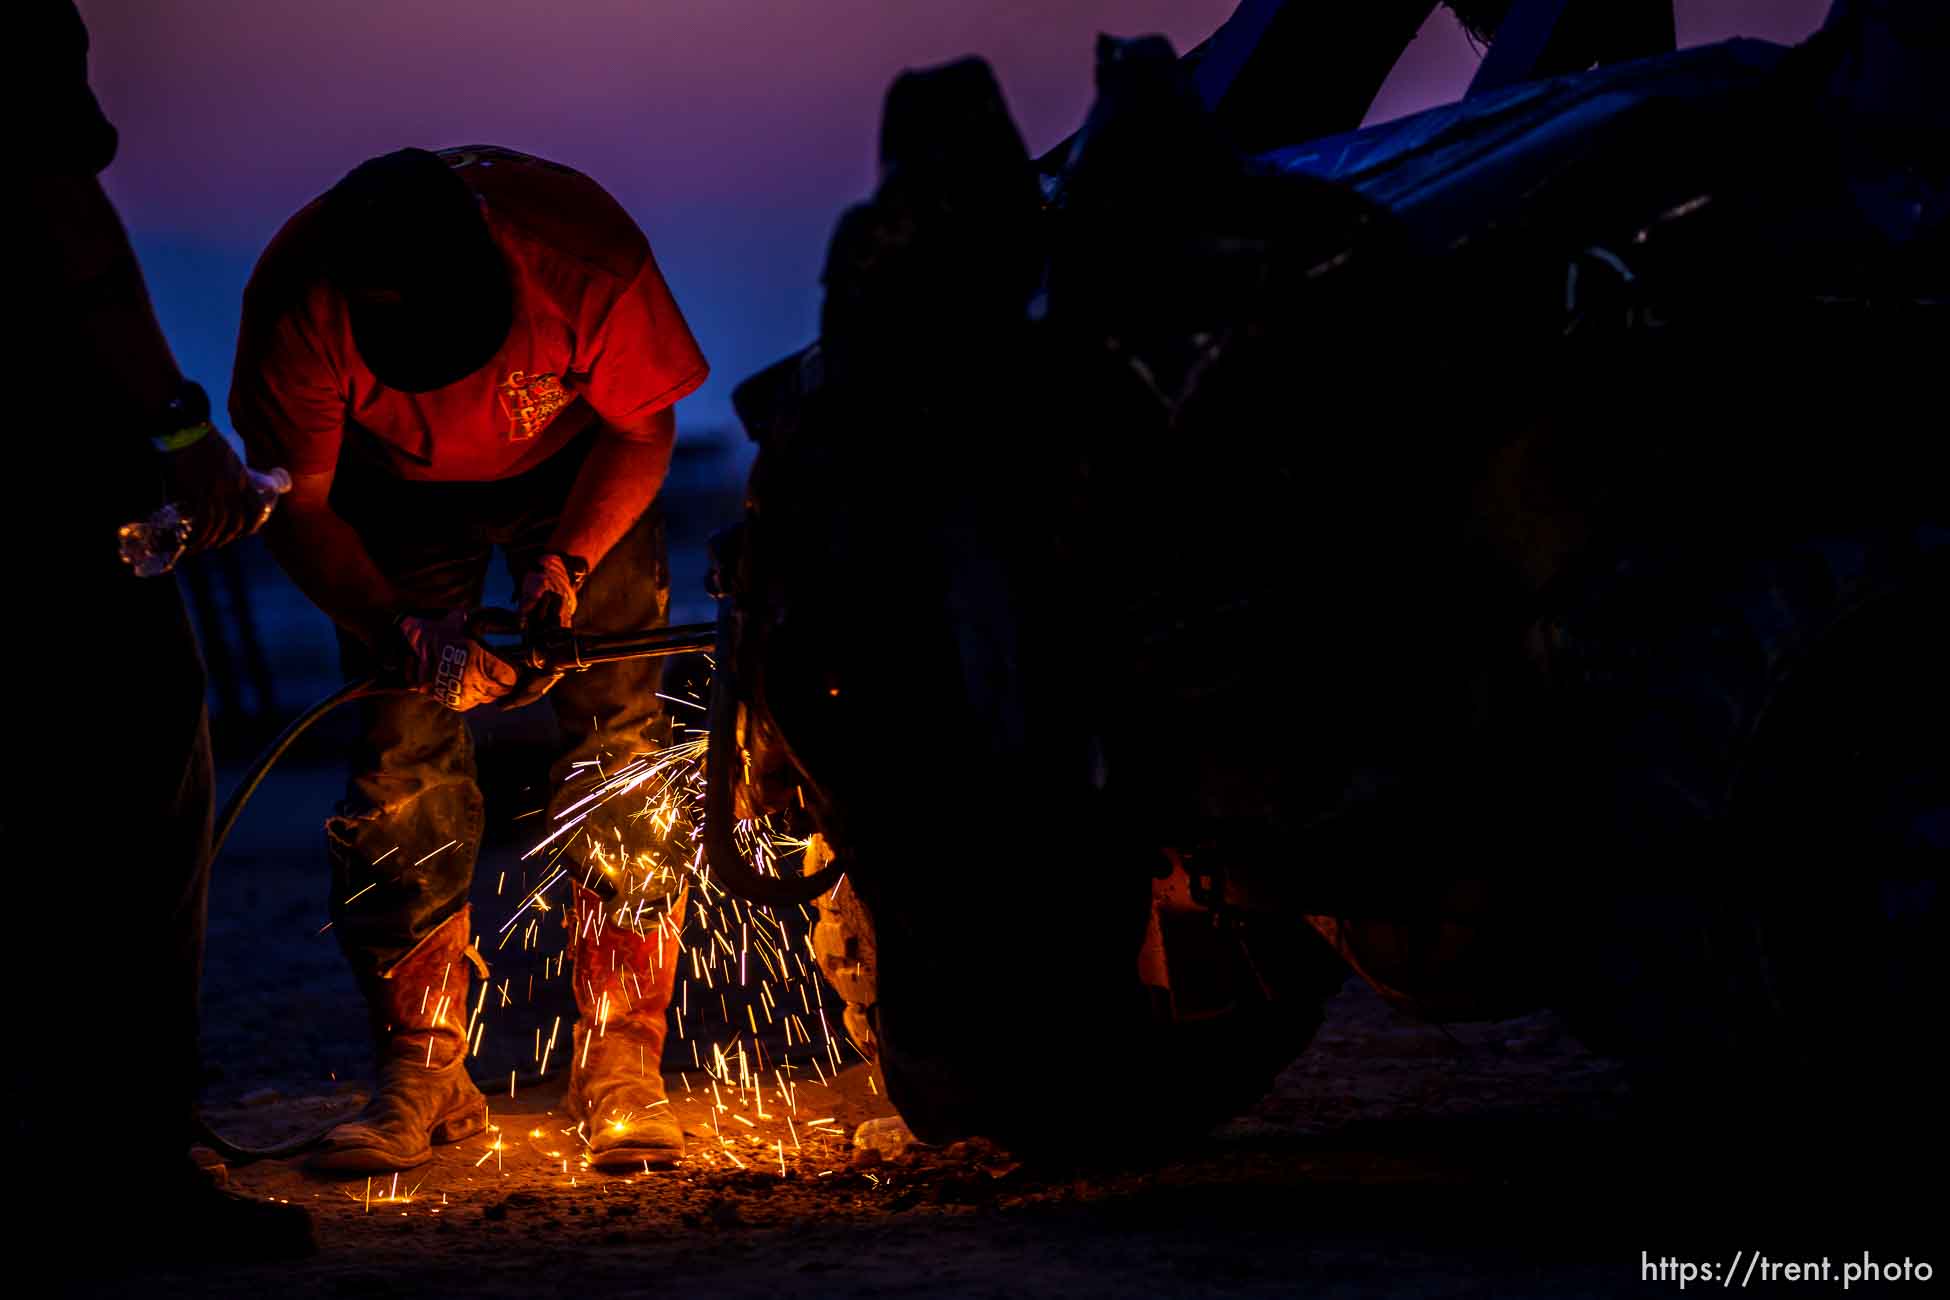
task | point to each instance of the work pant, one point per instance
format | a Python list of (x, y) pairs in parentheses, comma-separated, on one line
[(112, 795), (403, 843)]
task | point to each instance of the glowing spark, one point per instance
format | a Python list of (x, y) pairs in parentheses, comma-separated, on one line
[(442, 849)]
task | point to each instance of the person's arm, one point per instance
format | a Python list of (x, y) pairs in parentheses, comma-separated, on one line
[(289, 406), (622, 476), (434, 651), (125, 346), (330, 564), (86, 241), (641, 360)]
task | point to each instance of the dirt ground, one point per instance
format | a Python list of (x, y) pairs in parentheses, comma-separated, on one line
[(1394, 1158)]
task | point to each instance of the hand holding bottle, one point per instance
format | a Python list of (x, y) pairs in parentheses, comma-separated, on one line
[(215, 499), (212, 489)]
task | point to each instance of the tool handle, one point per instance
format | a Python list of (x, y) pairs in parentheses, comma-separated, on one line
[(587, 650), (539, 645)]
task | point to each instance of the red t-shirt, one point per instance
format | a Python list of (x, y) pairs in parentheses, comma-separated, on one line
[(596, 335)]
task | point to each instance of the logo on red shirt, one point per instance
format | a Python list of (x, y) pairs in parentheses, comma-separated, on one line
[(530, 402)]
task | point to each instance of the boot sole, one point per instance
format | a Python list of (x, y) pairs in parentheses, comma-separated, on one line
[(364, 1160), (456, 1126), (622, 1159)]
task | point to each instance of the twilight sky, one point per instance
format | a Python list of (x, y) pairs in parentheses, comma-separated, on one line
[(734, 130)]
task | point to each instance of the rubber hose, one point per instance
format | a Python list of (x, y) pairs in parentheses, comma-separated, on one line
[(276, 749), (235, 1152)]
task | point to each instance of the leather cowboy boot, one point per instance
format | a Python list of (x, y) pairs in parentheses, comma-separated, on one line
[(623, 975), (419, 1011)]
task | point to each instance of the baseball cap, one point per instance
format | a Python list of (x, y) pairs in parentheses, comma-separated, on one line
[(428, 291)]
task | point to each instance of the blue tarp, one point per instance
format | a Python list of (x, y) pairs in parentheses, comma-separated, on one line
[(1448, 170)]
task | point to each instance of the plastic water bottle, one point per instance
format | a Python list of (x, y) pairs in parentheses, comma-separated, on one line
[(152, 546)]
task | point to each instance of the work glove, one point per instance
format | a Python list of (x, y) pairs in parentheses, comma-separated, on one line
[(547, 595), (443, 661), (214, 492), (547, 590)]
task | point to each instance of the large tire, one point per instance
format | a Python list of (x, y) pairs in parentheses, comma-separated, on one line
[(1243, 1000)]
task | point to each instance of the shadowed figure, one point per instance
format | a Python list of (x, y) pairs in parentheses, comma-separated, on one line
[(1444, 578)]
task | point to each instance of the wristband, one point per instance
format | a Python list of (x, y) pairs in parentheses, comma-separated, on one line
[(183, 421), (186, 437)]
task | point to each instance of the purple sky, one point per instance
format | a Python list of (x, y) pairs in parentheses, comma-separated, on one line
[(734, 130)]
